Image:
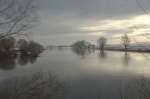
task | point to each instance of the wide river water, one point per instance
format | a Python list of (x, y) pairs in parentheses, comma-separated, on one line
[(62, 73)]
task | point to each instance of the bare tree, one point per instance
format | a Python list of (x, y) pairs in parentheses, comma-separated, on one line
[(101, 43), (125, 41), (15, 16)]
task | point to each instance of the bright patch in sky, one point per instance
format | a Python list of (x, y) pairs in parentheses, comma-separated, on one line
[(135, 27)]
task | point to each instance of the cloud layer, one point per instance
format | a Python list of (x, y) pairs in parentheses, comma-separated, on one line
[(66, 21)]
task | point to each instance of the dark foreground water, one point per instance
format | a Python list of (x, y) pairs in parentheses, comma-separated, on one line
[(69, 74)]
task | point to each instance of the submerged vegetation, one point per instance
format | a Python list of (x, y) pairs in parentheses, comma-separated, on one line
[(14, 52), (29, 47), (9, 46), (82, 47)]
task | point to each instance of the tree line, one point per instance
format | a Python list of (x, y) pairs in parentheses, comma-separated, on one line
[(10, 46), (101, 44)]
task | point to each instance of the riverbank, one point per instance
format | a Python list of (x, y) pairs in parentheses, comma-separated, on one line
[(130, 50)]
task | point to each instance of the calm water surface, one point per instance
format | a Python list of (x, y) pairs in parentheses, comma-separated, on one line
[(68, 74)]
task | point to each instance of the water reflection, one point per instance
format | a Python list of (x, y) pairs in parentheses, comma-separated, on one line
[(59, 48), (90, 78), (91, 50), (83, 52), (9, 62), (80, 52), (102, 55), (24, 59), (126, 59), (48, 86), (35, 86)]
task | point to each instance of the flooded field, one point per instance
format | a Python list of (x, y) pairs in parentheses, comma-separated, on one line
[(69, 74)]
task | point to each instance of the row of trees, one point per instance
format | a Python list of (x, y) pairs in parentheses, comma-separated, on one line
[(83, 45), (10, 46), (29, 47), (101, 44), (124, 39)]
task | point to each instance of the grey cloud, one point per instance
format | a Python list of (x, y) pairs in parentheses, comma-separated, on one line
[(65, 17), (94, 8), (116, 31), (140, 26)]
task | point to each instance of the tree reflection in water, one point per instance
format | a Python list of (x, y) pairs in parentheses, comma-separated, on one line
[(83, 52), (24, 59), (8, 62), (37, 86), (126, 59), (80, 52), (102, 55)]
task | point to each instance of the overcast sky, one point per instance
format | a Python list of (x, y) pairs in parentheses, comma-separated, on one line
[(67, 21)]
